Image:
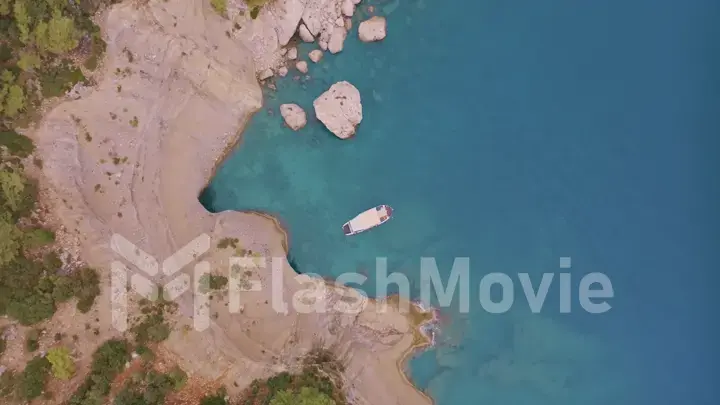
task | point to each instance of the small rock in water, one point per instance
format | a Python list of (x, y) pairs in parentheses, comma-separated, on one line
[(292, 53), (305, 34), (348, 24), (356, 2), (302, 66), (337, 39), (373, 29), (293, 115), (340, 109), (283, 71), (315, 55)]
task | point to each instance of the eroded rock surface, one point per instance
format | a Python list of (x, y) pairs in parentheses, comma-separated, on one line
[(340, 109)]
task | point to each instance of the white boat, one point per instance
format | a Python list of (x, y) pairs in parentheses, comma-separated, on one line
[(368, 219)]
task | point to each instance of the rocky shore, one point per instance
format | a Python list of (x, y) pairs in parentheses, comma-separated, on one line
[(177, 86)]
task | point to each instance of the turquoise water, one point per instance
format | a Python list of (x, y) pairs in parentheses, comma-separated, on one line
[(516, 133)]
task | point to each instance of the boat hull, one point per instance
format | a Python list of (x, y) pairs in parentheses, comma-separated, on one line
[(368, 219)]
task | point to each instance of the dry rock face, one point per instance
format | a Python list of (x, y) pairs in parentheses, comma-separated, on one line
[(340, 109), (374, 29), (293, 115)]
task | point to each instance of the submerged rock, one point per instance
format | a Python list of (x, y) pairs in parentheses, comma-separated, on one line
[(302, 66), (293, 115), (337, 39), (339, 109), (373, 29), (315, 55)]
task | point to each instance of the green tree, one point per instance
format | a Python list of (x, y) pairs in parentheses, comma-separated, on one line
[(22, 20), (28, 61), (63, 366), (5, 7), (12, 187), (306, 396), (57, 35), (14, 101), (34, 377), (10, 237)]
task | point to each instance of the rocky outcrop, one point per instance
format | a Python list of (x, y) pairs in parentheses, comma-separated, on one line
[(373, 29), (315, 55), (348, 8), (337, 39), (340, 109), (293, 115), (292, 53), (302, 66), (305, 33)]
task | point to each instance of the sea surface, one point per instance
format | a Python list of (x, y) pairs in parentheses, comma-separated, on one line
[(516, 133)]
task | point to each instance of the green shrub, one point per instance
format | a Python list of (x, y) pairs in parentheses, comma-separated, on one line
[(220, 6), (31, 340), (108, 361), (38, 237), (215, 399), (57, 80), (63, 366), (34, 378), (17, 144)]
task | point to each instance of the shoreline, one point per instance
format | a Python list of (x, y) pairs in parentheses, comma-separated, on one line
[(154, 200)]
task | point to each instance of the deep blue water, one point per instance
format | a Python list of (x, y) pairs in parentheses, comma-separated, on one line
[(516, 133)]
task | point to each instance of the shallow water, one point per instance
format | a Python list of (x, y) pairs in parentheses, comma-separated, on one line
[(516, 133)]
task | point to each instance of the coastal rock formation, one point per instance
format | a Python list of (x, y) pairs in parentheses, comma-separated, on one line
[(337, 39), (340, 109), (315, 55), (292, 53), (190, 91), (302, 66), (305, 33), (283, 71), (348, 8), (293, 115), (373, 29)]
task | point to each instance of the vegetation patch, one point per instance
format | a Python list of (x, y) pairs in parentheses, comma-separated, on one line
[(151, 326), (41, 44), (317, 384), (149, 387), (108, 361)]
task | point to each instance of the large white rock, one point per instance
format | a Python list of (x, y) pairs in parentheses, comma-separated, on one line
[(305, 33), (339, 109), (302, 66), (348, 8), (286, 15), (373, 29), (337, 39), (315, 55), (293, 115)]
